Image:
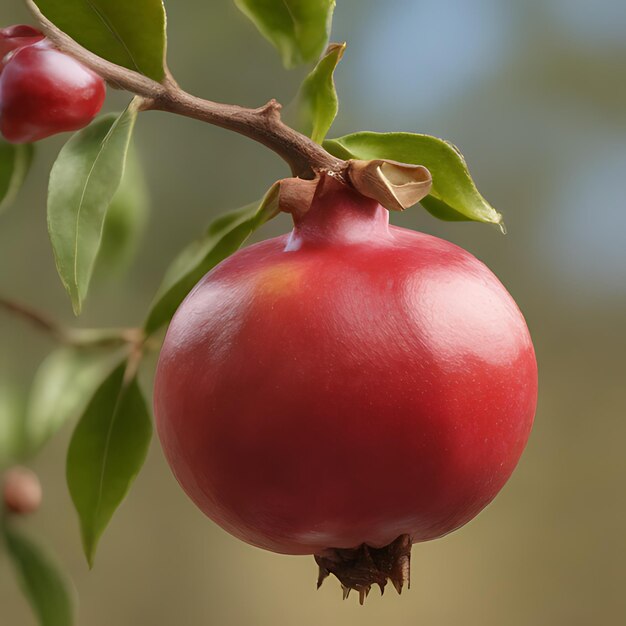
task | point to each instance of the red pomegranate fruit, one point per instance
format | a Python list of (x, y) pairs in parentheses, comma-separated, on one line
[(17, 36), (44, 92), (21, 491), (346, 390)]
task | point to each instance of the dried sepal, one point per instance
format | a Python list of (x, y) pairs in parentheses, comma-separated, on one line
[(360, 568), (295, 195), (397, 186)]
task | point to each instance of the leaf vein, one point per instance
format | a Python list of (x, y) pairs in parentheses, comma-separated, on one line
[(105, 452), (114, 32), (84, 193), (296, 25)]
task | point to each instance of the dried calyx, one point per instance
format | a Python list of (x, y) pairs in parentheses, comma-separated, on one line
[(360, 568), (295, 195), (396, 186)]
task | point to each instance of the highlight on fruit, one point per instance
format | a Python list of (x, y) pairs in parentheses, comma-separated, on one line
[(43, 91)]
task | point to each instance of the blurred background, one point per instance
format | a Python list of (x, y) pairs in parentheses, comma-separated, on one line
[(534, 94)]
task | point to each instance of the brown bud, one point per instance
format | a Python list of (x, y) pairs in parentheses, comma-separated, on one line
[(21, 491), (397, 186)]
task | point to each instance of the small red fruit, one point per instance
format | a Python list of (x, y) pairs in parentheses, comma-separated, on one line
[(17, 36), (346, 390), (21, 491), (44, 92)]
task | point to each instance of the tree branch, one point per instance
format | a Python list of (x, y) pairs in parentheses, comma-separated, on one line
[(77, 337), (35, 318), (264, 124)]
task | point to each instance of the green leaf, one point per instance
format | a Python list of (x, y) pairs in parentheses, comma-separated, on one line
[(49, 592), (15, 161), (317, 100), (125, 220), (62, 387), (83, 181), (298, 29), (223, 237), (130, 34), (106, 452), (453, 195)]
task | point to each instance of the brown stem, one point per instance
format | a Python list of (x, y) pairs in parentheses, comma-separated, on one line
[(133, 362), (78, 337), (264, 124), (35, 318), (305, 157)]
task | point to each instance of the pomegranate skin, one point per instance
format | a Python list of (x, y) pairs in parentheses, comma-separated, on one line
[(44, 92), (346, 384), (17, 36)]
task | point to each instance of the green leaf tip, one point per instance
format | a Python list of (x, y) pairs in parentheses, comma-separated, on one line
[(317, 100), (107, 451), (453, 196), (83, 182), (298, 29), (48, 590)]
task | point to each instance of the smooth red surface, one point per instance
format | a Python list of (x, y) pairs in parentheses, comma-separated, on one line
[(44, 92), (345, 384), (17, 36)]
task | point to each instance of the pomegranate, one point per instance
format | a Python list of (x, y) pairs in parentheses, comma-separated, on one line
[(21, 491), (346, 390), (17, 36), (44, 92)]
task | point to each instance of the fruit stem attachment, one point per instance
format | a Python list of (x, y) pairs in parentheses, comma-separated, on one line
[(360, 568), (264, 124)]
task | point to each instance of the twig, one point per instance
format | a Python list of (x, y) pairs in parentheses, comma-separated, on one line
[(76, 337), (35, 318), (264, 124)]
